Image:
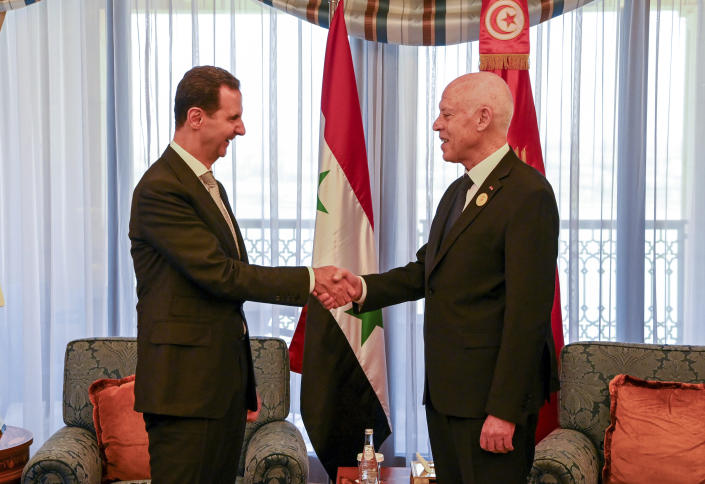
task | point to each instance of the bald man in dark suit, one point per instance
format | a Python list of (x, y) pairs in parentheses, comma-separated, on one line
[(487, 276)]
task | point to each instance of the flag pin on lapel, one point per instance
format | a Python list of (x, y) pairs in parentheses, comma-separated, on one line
[(481, 199)]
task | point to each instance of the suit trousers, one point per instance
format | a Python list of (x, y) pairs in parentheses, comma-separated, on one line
[(199, 450), (458, 457)]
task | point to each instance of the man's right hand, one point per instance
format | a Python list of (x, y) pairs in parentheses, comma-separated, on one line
[(496, 435), (335, 286)]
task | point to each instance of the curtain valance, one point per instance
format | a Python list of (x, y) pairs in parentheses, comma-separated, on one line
[(416, 22), (6, 5)]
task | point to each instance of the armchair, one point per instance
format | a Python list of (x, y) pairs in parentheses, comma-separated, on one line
[(273, 450), (574, 453)]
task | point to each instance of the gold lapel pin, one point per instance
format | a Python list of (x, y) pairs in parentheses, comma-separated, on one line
[(481, 199)]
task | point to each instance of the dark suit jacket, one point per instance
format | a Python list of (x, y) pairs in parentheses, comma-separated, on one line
[(489, 291), (190, 288)]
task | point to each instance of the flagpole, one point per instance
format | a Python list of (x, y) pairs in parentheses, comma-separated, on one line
[(332, 5)]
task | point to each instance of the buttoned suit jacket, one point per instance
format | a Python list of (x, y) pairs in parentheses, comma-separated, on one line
[(488, 289), (191, 286)]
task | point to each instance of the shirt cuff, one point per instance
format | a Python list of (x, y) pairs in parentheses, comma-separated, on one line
[(363, 296), (312, 280)]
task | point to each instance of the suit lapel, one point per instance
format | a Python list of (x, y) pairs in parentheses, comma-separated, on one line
[(203, 202), (489, 189), (240, 240), (438, 223)]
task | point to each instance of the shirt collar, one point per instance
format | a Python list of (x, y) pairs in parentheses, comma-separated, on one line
[(479, 173), (196, 166)]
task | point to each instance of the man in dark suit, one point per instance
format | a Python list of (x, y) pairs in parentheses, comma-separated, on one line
[(487, 274), (194, 379)]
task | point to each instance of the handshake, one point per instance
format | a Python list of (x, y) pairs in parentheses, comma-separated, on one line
[(336, 287)]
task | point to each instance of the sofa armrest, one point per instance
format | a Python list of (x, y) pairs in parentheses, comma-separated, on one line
[(565, 456), (276, 453), (69, 456)]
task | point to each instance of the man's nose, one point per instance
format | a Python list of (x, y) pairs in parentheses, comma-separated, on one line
[(435, 125), (240, 130)]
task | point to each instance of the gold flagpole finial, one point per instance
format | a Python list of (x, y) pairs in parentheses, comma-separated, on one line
[(332, 5), (2, 18)]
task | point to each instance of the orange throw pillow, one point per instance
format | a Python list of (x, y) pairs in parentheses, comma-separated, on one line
[(122, 438), (656, 432)]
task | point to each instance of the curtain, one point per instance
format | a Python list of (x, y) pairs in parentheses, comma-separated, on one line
[(415, 22), (87, 106), (53, 224), (615, 88)]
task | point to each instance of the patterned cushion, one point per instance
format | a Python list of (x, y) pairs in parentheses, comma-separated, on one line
[(86, 361), (575, 452), (565, 456), (657, 429), (587, 368), (270, 357), (120, 430), (71, 454), (271, 360), (275, 454)]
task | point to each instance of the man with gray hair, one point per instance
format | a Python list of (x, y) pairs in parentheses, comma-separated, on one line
[(487, 275)]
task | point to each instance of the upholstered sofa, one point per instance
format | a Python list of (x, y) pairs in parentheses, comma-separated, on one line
[(274, 450), (574, 453)]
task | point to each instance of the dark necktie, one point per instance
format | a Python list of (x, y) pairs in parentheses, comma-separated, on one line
[(458, 204)]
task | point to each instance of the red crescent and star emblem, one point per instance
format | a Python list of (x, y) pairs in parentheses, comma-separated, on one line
[(504, 20)]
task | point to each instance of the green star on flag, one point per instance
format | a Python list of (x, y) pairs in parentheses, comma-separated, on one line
[(369, 320), (344, 236), (319, 205)]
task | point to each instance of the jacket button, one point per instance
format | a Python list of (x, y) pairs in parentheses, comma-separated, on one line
[(430, 292)]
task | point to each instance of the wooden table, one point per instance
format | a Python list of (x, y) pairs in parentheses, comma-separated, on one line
[(390, 475), (14, 453)]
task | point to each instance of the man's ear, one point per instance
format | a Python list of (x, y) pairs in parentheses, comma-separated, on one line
[(194, 117), (484, 119)]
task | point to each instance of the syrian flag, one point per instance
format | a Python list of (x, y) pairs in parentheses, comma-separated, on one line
[(344, 373), (504, 50)]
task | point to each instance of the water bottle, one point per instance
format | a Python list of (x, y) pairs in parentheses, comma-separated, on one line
[(368, 461)]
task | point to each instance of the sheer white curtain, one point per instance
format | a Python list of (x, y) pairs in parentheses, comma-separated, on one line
[(615, 88), (53, 225), (87, 106)]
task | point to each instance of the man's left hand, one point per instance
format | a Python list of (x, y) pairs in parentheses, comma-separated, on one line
[(496, 435), (336, 287)]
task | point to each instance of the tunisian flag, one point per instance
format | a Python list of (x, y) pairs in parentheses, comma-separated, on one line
[(344, 377), (504, 50)]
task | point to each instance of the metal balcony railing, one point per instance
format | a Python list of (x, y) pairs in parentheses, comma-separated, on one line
[(596, 280)]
